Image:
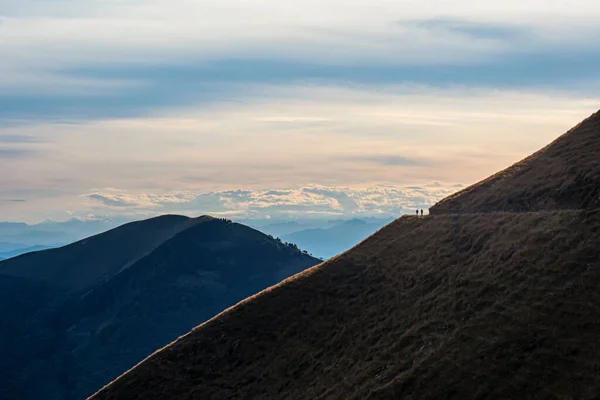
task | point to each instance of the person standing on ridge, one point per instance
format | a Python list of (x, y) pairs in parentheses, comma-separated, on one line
[(417, 213), (421, 212)]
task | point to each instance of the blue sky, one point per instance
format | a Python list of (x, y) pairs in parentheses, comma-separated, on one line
[(111, 107)]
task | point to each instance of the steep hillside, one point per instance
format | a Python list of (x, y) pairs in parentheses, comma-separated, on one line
[(80, 340), (456, 306), (83, 263), (563, 175)]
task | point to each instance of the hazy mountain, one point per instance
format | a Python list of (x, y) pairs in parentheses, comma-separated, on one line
[(18, 251), (76, 317), (466, 303), (49, 233), (93, 259), (281, 228), (328, 242), (5, 246), (12, 226)]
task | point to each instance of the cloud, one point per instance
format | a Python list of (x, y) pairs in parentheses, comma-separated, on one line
[(144, 200), (458, 134), (112, 200), (16, 138), (285, 203), (391, 134), (344, 201), (155, 88), (11, 153), (98, 59), (391, 160), (471, 28)]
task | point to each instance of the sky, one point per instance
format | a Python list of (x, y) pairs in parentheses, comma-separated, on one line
[(264, 109)]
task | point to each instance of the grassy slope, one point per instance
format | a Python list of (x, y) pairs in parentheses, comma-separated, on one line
[(563, 175), (452, 306)]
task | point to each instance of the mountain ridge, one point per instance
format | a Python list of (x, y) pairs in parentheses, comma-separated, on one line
[(24, 250), (149, 234), (64, 341)]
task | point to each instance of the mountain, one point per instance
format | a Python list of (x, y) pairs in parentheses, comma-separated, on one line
[(6, 246), (49, 233), (23, 250), (495, 305), (87, 261), (78, 316), (326, 243), (281, 228), (278, 229)]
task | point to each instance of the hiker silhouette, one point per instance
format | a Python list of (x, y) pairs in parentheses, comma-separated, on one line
[(417, 213), (421, 213)]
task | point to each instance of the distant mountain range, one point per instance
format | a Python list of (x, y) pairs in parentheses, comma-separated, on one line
[(286, 227), (15, 235), (20, 238), (76, 317), (328, 242)]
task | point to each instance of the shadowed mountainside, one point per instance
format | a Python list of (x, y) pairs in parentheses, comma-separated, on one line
[(496, 305), (83, 263), (65, 340), (563, 175)]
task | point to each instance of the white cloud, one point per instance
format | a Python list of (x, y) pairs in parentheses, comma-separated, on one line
[(116, 198), (284, 203), (40, 38)]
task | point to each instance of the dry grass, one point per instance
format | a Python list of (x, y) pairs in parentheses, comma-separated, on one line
[(563, 175), (450, 306)]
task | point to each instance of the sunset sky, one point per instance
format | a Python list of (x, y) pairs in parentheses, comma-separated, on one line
[(272, 108)]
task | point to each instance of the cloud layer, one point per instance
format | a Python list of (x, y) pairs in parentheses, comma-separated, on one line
[(304, 202), (107, 59)]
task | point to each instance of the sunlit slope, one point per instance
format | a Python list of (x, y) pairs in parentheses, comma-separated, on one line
[(563, 175), (451, 306)]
